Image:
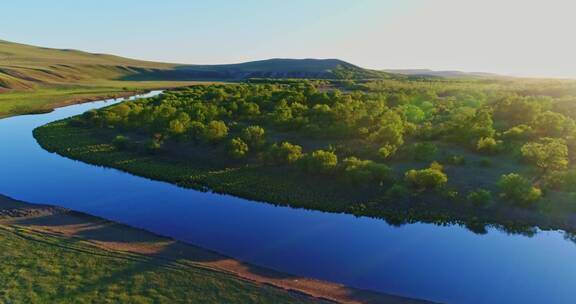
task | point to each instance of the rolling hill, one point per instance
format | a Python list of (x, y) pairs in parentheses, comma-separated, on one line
[(24, 67), (271, 68), (442, 74), (37, 79)]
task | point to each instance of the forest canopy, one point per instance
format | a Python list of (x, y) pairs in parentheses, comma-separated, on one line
[(483, 144)]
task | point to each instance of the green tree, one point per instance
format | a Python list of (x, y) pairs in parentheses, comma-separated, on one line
[(488, 145), (479, 197), (285, 153), (237, 148), (254, 136), (547, 154), (518, 189), (424, 151), (518, 132), (356, 170), (154, 145), (430, 178), (176, 127), (196, 130), (413, 113), (552, 124), (215, 131), (380, 173), (387, 151), (321, 161)]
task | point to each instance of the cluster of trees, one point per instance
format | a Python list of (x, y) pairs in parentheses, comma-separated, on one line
[(368, 127), (429, 178)]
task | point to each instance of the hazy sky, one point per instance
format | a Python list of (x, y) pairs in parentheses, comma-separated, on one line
[(518, 37)]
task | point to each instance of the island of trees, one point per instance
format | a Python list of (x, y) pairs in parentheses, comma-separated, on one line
[(477, 152)]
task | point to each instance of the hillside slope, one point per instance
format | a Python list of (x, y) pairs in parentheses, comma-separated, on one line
[(442, 74), (37, 79), (271, 68), (25, 67)]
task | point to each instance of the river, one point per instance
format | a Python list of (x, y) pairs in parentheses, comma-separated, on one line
[(446, 264)]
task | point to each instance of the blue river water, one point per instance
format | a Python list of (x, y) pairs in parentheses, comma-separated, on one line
[(445, 264)]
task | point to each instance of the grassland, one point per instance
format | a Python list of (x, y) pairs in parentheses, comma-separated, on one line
[(42, 265), (35, 79), (54, 255)]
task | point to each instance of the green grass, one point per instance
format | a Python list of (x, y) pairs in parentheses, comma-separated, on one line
[(25, 66), (35, 79), (46, 98), (41, 268)]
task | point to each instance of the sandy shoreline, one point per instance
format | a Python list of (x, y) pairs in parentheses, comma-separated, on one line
[(121, 238)]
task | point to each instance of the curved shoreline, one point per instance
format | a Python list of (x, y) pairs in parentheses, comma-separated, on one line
[(115, 237), (53, 137)]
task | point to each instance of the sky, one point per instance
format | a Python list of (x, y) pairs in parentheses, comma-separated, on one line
[(513, 37)]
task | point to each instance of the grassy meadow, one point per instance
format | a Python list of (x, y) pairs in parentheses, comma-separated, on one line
[(44, 268)]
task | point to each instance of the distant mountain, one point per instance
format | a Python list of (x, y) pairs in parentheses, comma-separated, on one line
[(444, 74), (271, 68), (25, 67)]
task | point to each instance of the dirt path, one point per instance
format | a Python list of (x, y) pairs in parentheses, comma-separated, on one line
[(121, 238)]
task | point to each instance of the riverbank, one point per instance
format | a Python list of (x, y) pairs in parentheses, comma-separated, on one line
[(46, 99), (278, 186), (70, 233)]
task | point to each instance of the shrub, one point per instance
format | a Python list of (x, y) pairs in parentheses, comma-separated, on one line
[(121, 142), (215, 131), (488, 145), (320, 161), (480, 197), (424, 151), (518, 132), (237, 148), (397, 191), (387, 151), (547, 153), (555, 180), (360, 171), (254, 136), (196, 130), (154, 145), (284, 153), (518, 189), (431, 178)]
